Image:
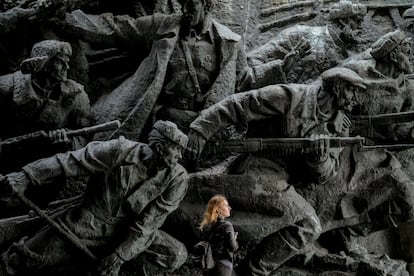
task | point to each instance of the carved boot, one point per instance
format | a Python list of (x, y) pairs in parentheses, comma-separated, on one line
[(407, 244)]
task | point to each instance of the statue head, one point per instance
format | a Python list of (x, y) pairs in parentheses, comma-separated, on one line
[(348, 17), (167, 141), (50, 57), (345, 85), (194, 11), (394, 48)]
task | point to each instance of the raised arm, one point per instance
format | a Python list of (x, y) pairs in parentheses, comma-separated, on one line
[(111, 30)]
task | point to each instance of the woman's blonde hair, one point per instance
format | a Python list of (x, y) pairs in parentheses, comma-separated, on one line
[(211, 214)]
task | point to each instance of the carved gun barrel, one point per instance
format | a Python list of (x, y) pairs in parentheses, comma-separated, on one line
[(302, 145)]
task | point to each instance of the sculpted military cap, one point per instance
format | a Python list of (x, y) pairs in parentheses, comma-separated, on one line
[(170, 130), (343, 74), (387, 43), (42, 52)]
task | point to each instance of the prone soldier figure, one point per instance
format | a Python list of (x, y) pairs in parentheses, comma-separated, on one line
[(328, 45), (384, 67), (132, 189)]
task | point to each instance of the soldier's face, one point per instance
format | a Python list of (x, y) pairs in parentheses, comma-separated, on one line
[(194, 12), (403, 57), (353, 29), (57, 67), (347, 98), (171, 155)]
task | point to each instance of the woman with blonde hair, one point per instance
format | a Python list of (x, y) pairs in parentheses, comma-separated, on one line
[(221, 235)]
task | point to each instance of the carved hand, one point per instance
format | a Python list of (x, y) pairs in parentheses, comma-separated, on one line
[(195, 145), (296, 53), (321, 153), (16, 182), (58, 136), (342, 124)]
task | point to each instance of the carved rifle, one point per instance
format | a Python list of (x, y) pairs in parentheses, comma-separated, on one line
[(72, 238), (13, 228), (41, 134), (281, 145)]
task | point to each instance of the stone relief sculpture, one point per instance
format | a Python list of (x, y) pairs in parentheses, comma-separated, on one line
[(41, 97), (133, 188), (199, 80), (317, 172), (37, 103), (329, 44), (384, 66), (305, 110)]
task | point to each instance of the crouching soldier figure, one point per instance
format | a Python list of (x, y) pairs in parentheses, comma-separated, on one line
[(133, 187)]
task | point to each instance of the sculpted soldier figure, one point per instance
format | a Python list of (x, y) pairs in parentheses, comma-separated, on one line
[(329, 44), (41, 97), (366, 186), (384, 66), (193, 62), (132, 189), (302, 111)]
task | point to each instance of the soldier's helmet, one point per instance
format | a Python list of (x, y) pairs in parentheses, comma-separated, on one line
[(42, 52), (169, 130), (387, 43)]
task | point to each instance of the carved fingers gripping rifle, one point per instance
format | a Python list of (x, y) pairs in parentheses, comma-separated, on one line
[(41, 134)]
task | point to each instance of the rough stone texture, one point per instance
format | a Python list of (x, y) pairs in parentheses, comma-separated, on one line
[(101, 69)]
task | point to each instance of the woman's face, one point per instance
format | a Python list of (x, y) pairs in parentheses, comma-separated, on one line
[(224, 209)]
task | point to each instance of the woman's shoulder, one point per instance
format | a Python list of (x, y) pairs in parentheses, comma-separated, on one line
[(225, 226)]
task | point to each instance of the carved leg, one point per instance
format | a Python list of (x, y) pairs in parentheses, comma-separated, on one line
[(165, 254), (279, 247)]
